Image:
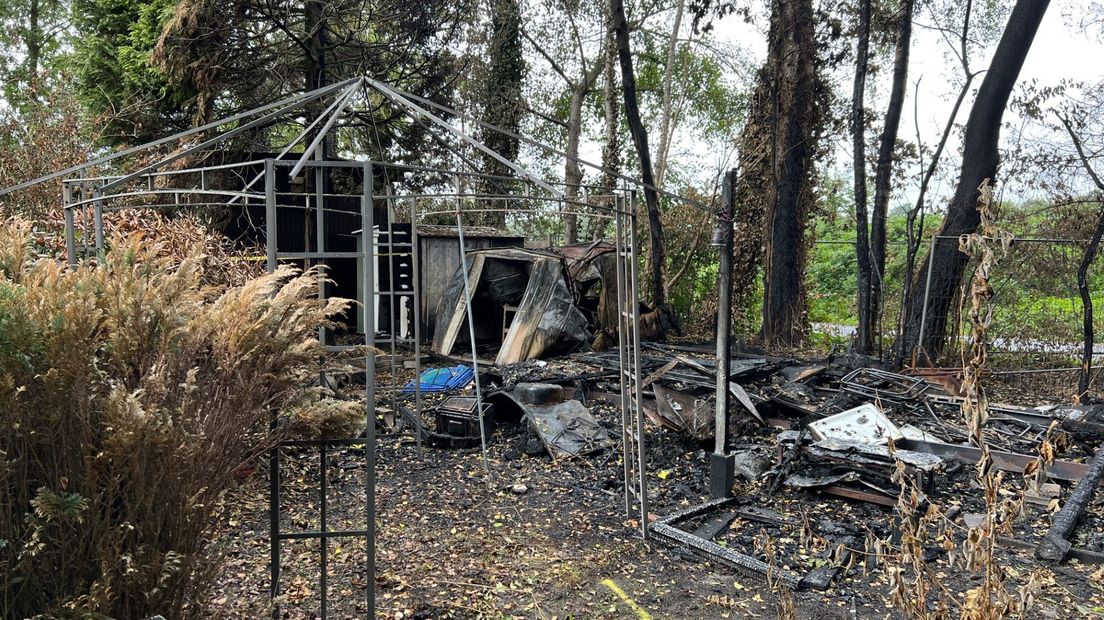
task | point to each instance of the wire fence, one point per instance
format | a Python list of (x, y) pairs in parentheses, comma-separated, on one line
[(1037, 322), (1037, 308)]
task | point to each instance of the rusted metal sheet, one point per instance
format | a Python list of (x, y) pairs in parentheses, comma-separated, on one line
[(1005, 461)]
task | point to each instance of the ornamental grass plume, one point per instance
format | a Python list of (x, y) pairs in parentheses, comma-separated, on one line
[(130, 394)]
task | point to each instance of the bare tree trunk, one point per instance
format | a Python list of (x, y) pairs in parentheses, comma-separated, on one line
[(979, 162), (573, 174), (668, 75), (1083, 268), (883, 171), (865, 341), (796, 110), (611, 150), (34, 42), (314, 70), (640, 140), (1087, 307)]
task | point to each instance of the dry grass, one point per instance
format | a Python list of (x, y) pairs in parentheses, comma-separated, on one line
[(132, 392)]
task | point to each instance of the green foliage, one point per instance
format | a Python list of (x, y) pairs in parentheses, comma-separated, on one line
[(131, 394), (113, 65), (502, 99), (33, 51)]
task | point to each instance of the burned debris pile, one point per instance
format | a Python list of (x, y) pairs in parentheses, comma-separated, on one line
[(819, 446)]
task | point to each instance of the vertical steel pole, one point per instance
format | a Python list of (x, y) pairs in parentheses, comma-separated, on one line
[(323, 463), (638, 407), (416, 278), (927, 290), (721, 466), (101, 248), (367, 215), (320, 174), (85, 217), (471, 327), (274, 453), (270, 214), (392, 296), (70, 223), (622, 362), (320, 244)]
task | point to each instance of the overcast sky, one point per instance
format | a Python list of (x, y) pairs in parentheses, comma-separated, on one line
[(1060, 51)]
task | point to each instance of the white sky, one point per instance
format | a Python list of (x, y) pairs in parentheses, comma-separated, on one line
[(1060, 51)]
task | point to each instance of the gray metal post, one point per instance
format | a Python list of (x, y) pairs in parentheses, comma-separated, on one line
[(471, 328), (274, 453), (320, 237), (927, 291), (320, 246), (638, 389), (622, 363), (70, 223), (722, 466), (97, 206), (416, 271), (367, 215), (270, 214)]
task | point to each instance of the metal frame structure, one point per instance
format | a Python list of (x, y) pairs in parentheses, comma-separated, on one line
[(86, 197)]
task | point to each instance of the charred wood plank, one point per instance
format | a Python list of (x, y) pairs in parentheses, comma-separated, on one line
[(1055, 545)]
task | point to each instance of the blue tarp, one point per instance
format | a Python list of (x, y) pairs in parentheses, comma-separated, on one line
[(442, 379)]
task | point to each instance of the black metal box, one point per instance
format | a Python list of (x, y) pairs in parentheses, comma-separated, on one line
[(456, 416)]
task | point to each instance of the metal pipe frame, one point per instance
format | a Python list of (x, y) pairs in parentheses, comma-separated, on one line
[(471, 331), (296, 99), (95, 191), (267, 119)]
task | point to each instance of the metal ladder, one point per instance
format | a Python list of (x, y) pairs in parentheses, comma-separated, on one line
[(634, 455)]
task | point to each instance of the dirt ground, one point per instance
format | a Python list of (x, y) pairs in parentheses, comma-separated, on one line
[(538, 538)]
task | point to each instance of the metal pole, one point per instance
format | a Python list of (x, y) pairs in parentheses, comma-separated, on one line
[(97, 207), (927, 290), (270, 214), (320, 244), (722, 467), (70, 224), (323, 464), (274, 453), (638, 389), (622, 365), (294, 99), (320, 239), (471, 328), (85, 216), (416, 278), (367, 215)]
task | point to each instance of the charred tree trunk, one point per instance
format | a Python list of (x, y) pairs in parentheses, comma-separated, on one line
[(640, 140), (1087, 307), (1083, 268), (793, 61), (979, 162), (865, 335), (883, 171)]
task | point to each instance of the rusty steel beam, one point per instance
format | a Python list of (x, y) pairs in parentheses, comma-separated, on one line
[(1005, 461)]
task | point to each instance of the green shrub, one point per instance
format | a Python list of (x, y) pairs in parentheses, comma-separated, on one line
[(130, 393)]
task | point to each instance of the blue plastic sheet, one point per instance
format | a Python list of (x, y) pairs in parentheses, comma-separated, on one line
[(442, 379)]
